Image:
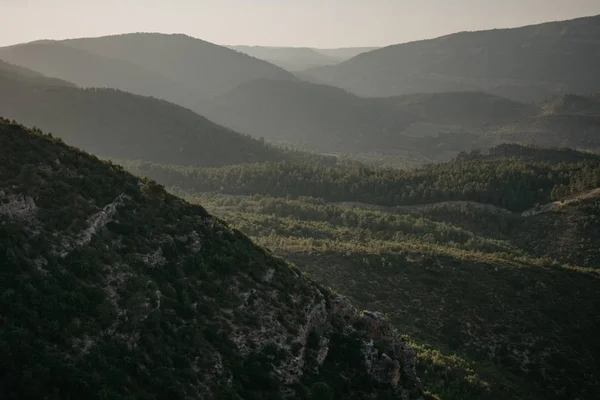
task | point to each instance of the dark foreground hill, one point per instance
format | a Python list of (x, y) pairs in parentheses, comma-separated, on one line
[(112, 290), (527, 63), (117, 124)]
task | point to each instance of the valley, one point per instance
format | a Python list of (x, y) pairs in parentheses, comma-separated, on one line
[(186, 220)]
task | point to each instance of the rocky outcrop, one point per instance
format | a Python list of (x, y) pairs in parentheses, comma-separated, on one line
[(388, 359), (95, 223), (17, 206)]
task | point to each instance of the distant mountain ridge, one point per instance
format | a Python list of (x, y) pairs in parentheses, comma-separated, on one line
[(117, 124), (426, 126), (176, 68), (527, 63)]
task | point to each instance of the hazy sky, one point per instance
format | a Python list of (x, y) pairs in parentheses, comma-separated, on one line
[(315, 23)]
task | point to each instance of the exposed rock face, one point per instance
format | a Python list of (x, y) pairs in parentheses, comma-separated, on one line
[(17, 206)]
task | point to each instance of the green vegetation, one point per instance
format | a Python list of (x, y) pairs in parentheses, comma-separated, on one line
[(516, 183), (463, 279), (114, 289)]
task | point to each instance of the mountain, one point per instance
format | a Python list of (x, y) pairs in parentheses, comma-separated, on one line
[(115, 290), (425, 127), (300, 58), (318, 116), (206, 68), (25, 75), (177, 68), (327, 119), (116, 124), (527, 63), (85, 69)]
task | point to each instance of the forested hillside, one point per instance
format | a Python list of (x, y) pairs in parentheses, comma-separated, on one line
[(116, 290), (513, 182), (113, 123), (413, 128), (85, 69), (527, 63)]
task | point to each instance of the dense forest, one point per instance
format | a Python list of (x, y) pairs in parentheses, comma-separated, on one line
[(514, 183)]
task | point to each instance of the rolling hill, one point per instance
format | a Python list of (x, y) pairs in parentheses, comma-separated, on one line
[(176, 68), (85, 69), (116, 124), (112, 290), (206, 68), (316, 116), (426, 127), (527, 63), (25, 75)]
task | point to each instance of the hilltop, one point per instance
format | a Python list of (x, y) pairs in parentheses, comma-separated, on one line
[(116, 124), (177, 68), (112, 290), (527, 63)]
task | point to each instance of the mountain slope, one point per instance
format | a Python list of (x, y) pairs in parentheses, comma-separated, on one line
[(562, 121), (324, 117), (429, 126), (176, 68), (345, 53), (116, 124), (555, 57), (86, 69), (467, 264), (111, 290), (206, 68), (25, 75)]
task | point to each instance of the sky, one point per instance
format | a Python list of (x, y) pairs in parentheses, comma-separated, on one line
[(310, 23)]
